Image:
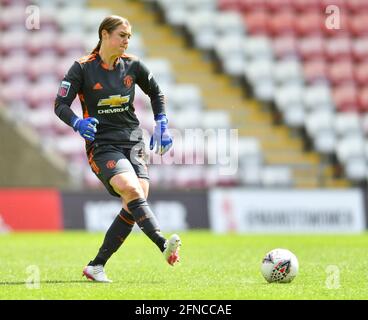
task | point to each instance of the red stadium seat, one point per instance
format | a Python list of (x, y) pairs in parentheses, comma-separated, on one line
[(315, 71), (13, 66), (363, 100), (13, 41), (40, 66), (285, 46), (309, 23), (306, 5), (359, 24), (357, 5), (256, 22), (228, 4), (339, 3), (277, 5), (361, 73), (360, 49), (312, 47), (252, 5), (346, 97), (337, 48), (281, 23), (341, 71), (40, 41)]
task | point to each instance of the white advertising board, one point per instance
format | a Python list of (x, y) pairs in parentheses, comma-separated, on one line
[(286, 211)]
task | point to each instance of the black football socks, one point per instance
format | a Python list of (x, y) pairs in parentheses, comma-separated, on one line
[(114, 238), (147, 221)]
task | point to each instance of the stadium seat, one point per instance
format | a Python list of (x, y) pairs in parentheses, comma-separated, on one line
[(306, 5), (13, 42), (276, 176), (356, 169), (341, 72), (363, 99), (361, 73), (13, 66), (347, 123), (285, 47), (360, 48), (351, 147), (202, 27), (282, 23), (318, 97), (257, 47), (161, 69), (337, 48), (42, 41), (309, 23), (186, 97), (345, 97), (320, 127), (215, 119), (259, 70), (312, 47), (256, 22), (41, 66), (229, 23), (288, 70), (359, 24), (231, 53), (252, 5), (315, 71), (356, 6)]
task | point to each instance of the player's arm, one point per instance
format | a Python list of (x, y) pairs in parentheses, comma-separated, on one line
[(149, 86), (68, 90), (161, 137)]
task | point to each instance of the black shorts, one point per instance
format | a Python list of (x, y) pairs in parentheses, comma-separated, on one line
[(108, 160)]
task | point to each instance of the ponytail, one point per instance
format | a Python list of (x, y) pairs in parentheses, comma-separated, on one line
[(97, 48)]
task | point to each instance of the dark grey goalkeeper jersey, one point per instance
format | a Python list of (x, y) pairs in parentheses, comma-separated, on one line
[(108, 96)]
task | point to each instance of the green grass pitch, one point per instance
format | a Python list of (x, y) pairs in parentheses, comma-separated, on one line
[(212, 267)]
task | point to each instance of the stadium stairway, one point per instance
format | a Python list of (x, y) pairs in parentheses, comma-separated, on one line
[(23, 163), (279, 144)]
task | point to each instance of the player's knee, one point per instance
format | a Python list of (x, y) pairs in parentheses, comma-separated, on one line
[(130, 192)]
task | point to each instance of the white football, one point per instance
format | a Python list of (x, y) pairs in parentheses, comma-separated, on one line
[(279, 265)]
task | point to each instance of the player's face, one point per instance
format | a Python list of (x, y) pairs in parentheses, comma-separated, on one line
[(119, 39)]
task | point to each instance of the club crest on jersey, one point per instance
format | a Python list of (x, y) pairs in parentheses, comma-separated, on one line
[(128, 81), (111, 164), (64, 89)]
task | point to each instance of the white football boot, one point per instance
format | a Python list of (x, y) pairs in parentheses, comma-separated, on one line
[(171, 252), (95, 273)]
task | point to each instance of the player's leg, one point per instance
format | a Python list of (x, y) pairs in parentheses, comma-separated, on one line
[(106, 161), (119, 230), (172, 245), (128, 186)]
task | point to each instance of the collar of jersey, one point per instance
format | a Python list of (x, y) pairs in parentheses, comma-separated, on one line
[(104, 65)]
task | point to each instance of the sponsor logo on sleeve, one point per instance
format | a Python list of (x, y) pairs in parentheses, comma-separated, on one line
[(64, 89)]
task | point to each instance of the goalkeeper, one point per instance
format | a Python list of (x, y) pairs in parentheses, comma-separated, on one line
[(105, 82)]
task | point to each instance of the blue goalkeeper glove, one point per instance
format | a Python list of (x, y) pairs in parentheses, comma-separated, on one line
[(161, 137), (85, 127)]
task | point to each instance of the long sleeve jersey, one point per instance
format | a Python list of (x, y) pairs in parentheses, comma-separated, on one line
[(108, 96)]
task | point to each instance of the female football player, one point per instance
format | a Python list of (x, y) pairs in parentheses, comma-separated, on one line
[(105, 82)]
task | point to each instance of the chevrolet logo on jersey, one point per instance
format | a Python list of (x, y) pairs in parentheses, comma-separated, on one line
[(113, 101)]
